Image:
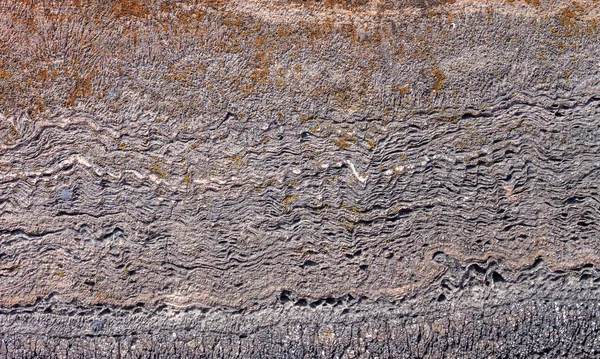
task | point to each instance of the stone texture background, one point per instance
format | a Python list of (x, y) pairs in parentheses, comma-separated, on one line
[(301, 179)]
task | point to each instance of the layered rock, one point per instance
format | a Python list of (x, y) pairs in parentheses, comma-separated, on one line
[(299, 179)]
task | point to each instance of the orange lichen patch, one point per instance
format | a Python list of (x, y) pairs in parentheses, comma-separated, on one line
[(349, 31), (82, 88), (346, 4), (438, 79), (259, 76), (575, 20), (344, 142), (288, 200), (13, 134), (246, 28), (213, 3), (304, 119), (569, 15), (184, 73), (592, 26), (535, 3), (187, 179), (129, 8), (36, 109), (402, 91), (158, 170), (238, 161), (188, 18)]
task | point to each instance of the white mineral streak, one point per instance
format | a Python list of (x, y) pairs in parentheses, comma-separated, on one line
[(356, 174)]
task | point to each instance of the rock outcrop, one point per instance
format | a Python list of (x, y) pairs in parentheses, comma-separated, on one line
[(299, 179)]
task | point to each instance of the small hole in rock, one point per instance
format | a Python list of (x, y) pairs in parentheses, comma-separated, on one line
[(284, 297), (316, 303), (497, 278), (441, 298), (309, 263), (439, 256), (364, 267), (301, 303), (478, 269)]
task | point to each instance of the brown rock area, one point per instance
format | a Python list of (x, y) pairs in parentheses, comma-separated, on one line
[(299, 179)]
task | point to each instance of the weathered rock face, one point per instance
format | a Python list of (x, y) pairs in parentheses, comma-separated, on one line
[(285, 179)]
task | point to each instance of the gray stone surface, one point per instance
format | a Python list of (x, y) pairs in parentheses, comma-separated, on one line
[(299, 179)]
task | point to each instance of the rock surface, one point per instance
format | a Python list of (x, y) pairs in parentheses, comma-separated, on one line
[(299, 179)]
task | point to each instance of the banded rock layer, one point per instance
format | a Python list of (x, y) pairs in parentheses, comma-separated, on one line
[(299, 179)]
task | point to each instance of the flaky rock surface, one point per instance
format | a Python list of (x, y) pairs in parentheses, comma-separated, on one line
[(299, 179)]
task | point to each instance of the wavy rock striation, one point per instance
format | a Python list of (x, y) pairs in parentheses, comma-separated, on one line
[(299, 179)]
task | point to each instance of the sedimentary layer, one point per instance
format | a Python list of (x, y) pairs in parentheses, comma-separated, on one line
[(299, 179)]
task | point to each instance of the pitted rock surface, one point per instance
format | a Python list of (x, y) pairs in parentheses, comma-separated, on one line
[(299, 179)]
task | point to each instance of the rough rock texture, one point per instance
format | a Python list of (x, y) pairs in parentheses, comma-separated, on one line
[(299, 179)]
